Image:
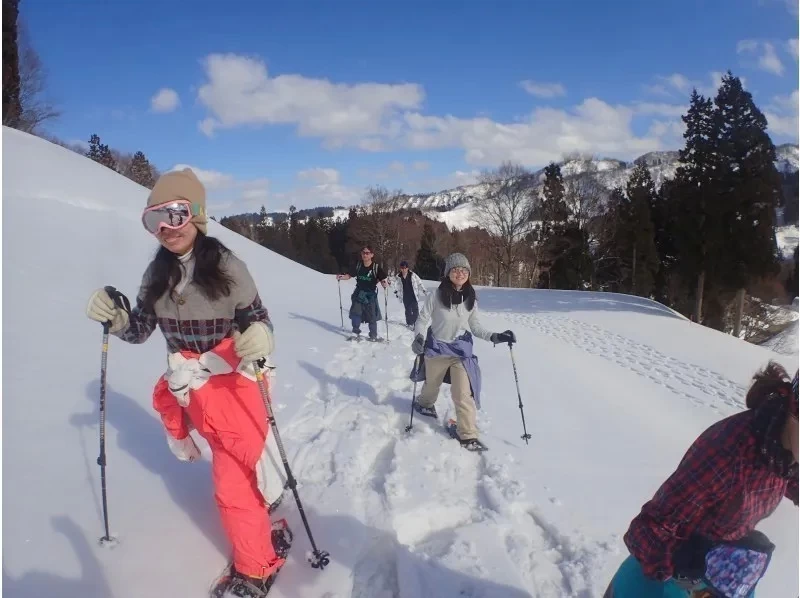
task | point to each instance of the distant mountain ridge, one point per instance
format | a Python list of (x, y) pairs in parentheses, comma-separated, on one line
[(609, 172)]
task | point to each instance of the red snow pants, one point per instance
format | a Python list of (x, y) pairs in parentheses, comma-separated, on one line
[(229, 413)]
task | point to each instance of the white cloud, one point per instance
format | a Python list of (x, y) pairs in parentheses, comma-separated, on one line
[(323, 194), (396, 167), (211, 179), (224, 192), (240, 92), (791, 48), (319, 175), (660, 109), (546, 134), (543, 90), (767, 56), (782, 115), (165, 100), (421, 165)]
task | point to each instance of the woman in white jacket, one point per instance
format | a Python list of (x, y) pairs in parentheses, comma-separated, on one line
[(447, 350)]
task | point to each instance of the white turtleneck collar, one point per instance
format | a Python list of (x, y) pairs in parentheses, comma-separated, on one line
[(187, 269)]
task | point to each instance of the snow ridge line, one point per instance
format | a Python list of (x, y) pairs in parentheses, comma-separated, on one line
[(432, 513), (681, 378)]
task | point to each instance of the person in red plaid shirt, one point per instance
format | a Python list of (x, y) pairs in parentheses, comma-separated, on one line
[(733, 476)]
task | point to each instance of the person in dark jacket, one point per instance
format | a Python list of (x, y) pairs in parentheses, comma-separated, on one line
[(364, 307), (692, 534), (409, 290)]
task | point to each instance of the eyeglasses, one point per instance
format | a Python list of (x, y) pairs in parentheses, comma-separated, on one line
[(462, 271), (366, 253), (173, 215)]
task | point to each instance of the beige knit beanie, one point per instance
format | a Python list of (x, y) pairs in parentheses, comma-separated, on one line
[(182, 184)]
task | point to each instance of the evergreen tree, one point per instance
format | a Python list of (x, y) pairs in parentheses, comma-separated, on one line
[(751, 187), (639, 235), (140, 171), (608, 258), (698, 233), (427, 264), (553, 211), (12, 105), (664, 216), (100, 153)]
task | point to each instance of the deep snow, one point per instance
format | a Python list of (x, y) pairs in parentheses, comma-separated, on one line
[(615, 388)]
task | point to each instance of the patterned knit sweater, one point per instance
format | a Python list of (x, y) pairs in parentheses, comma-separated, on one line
[(188, 319)]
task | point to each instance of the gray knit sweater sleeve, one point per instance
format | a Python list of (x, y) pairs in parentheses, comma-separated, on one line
[(475, 325)]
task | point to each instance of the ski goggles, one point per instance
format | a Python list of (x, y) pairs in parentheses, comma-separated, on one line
[(173, 215)]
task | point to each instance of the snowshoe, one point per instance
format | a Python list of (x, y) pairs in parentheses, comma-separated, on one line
[(232, 584), (426, 411), (376, 339), (356, 336), (472, 444)]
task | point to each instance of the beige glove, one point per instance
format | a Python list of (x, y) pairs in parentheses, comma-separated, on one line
[(255, 343), (101, 309)]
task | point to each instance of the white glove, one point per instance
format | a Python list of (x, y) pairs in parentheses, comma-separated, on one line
[(184, 450), (255, 343), (102, 309)]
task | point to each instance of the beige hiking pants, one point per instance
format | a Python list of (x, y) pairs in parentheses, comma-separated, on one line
[(460, 390)]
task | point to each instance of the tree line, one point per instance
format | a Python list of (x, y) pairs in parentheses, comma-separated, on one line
[(702, 243)]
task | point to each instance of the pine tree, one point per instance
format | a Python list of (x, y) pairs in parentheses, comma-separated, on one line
[(100, 153), (141, 171), (664, 216), (427, 264), (699, 238), (639, 237), (608, 259), (751, 188), (553, 209), (94, 148), (553, 239)]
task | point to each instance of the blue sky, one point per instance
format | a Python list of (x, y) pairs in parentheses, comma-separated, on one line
[(308, 102)]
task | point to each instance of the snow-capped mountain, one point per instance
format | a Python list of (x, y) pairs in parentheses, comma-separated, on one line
[(609, 173)]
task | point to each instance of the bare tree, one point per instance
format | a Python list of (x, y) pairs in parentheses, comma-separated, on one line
[(36, 107), (583, 192), (505, 211), (378, 223)]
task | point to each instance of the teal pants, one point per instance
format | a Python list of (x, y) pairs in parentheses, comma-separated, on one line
[(630, 582)]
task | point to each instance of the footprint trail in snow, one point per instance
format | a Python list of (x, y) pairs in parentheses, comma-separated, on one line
[(696, 384), (437, 520)]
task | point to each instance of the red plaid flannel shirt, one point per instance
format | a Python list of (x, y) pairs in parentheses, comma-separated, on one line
[(720, 490)]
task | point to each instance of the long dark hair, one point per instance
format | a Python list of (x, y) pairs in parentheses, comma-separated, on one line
[(165, 271), (449, 296), (772, 379)]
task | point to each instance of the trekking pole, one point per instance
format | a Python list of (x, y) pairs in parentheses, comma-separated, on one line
[(341, 310), (320, 558), (414, 396), (525, 435), (386, 310), (121, 301)]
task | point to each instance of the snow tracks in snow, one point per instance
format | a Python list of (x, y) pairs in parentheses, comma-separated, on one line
[(697, 384), (413, 514)]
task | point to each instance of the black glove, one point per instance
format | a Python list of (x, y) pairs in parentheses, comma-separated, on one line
[(503, 337), (418, 346)]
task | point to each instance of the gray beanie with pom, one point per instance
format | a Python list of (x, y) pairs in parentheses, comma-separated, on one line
[(456, 260)]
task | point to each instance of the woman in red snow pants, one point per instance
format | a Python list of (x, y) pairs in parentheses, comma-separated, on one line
[(195, 290)]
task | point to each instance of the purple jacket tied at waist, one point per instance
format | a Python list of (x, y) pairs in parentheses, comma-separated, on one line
[(461, 347)]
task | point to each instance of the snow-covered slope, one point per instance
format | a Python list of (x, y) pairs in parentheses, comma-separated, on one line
[(614, 388)]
